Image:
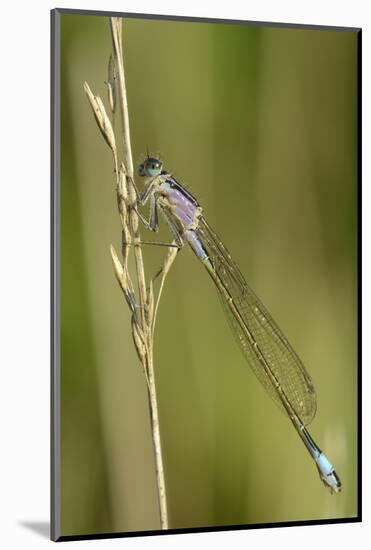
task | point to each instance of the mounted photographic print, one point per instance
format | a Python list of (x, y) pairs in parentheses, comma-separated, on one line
[(205, 192)]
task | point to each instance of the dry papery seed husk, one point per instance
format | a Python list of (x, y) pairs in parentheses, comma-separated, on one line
[(101, 117)]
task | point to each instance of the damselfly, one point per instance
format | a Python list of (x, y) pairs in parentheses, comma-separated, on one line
[(268, 352)]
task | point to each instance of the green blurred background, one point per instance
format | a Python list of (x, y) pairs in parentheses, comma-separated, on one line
[(260, 124)]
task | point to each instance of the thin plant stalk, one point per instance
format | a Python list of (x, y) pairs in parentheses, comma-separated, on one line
[(116, 30), (145, 303)]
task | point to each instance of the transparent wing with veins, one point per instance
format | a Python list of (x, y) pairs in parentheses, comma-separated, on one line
[(277, 351)]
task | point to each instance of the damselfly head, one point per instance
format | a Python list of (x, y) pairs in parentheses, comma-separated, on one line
[(150, 168)]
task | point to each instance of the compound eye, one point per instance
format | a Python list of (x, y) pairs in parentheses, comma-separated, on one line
[(152, 167)]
